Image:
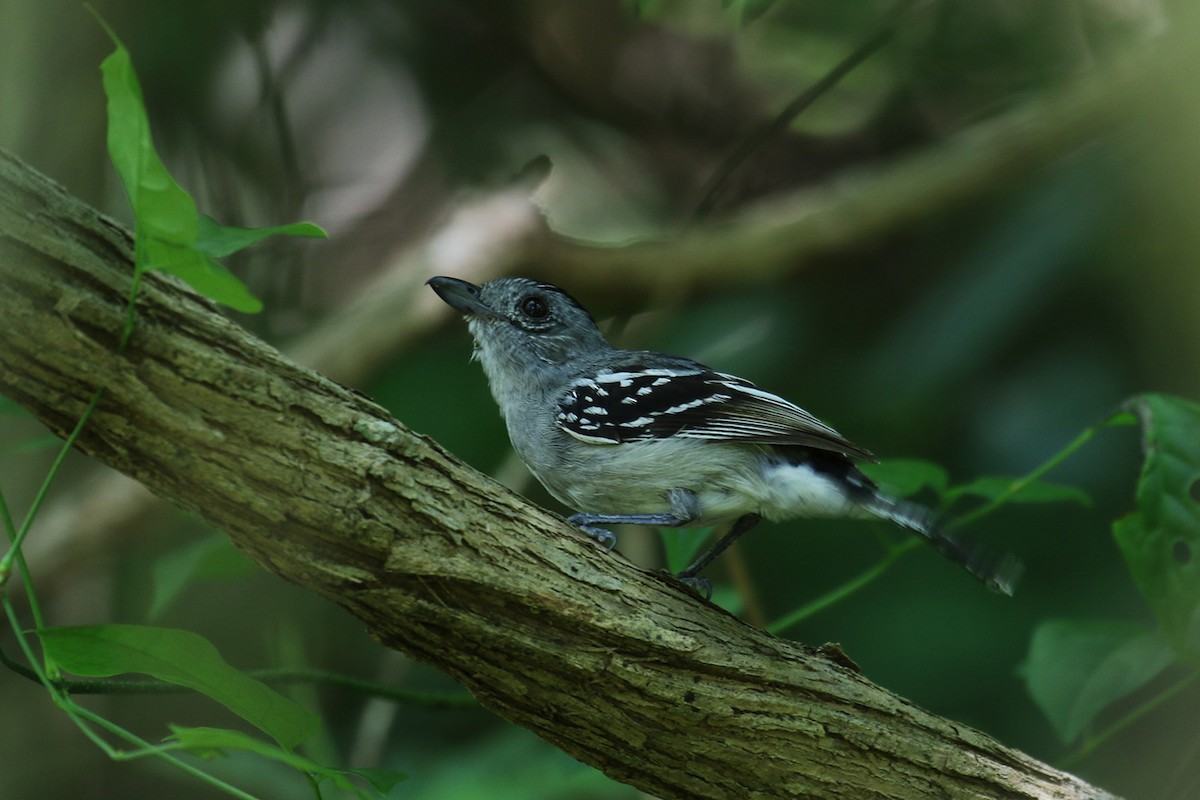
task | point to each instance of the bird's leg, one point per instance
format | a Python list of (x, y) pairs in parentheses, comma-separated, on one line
[(691, 577), (685, 508)]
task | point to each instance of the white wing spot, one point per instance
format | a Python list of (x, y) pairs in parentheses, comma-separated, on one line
[(617, 377), (685, 406)]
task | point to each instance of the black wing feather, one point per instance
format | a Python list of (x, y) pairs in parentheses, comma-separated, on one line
[(683, 398)]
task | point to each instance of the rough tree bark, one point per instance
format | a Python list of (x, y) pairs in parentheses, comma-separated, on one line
[(619, 667)]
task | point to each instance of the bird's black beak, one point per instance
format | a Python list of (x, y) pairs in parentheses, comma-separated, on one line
[(463, 297)]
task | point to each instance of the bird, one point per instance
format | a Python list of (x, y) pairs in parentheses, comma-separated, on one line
[(646, 438)]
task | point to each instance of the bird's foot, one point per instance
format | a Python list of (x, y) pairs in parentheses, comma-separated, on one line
[(697, 583), (603, 536)]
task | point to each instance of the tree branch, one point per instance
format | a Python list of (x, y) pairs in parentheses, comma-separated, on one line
[(860, 205), (619, 667)]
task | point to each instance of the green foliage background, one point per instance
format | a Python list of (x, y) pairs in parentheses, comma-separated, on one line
[(984, 337)]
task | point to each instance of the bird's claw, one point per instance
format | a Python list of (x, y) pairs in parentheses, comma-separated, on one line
[(603, 536), (697, 583)]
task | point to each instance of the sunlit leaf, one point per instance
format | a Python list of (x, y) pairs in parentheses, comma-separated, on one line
[(201, 273), (170, 235), (182, 658), (1075, 670), (217, 241), (163, 210), (1161, 540)]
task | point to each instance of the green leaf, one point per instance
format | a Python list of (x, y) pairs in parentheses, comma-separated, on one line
[(992, 488), (382, 780), (1075, 669), (904, 477), (171, 236), (163, 210), (1161, 540), (209, 741), (211, 558), (184, 659), (217, 241), (165, 220), (201, 273)]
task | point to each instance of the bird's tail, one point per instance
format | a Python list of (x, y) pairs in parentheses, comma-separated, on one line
[(998, 574)]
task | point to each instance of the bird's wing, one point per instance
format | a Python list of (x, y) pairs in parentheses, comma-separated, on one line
[(688, 400)]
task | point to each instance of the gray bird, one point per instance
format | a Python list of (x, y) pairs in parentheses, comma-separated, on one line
[(644, 438)]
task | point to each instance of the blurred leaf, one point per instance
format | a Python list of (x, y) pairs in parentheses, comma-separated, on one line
[(1076, 669), (991, 488), (217, 240), (961, 324), (642, 8), (682, 545), (1161, 540), (12, 407), (206, 742), (729, 598), (184, 659), (747, 11), (30, 445), (904, 477), (383, 780), (511, 762), (211, 558)]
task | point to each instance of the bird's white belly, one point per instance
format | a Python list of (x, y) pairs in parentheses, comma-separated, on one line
[(727, 480)]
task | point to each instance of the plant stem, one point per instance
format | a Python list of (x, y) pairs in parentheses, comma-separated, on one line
[(846, 589), (273, 677), (80, 714), (1049, 465), (131, 306), (1094, 742), (746, 147), (14, 547)]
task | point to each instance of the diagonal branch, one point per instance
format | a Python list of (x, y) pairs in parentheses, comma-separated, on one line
[(618, 667)]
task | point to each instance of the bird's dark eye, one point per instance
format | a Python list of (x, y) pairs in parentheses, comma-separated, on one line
[(534, 307)]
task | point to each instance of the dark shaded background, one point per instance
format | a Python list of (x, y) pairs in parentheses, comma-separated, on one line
[(983, 333)]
